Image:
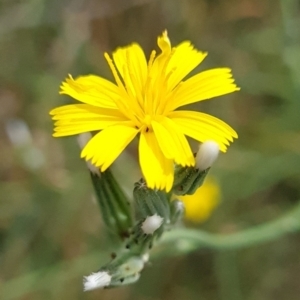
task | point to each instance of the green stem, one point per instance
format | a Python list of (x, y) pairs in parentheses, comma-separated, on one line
[(182, 241), (191, 239)]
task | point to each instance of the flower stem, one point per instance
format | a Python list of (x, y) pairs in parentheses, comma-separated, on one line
[(188, 240)]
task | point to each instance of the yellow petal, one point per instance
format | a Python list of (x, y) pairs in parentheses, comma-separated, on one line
[(107, 145), (131, 60), (157, 169), (78, 111), (91, 90), (132, 66), (164, 43), (77, 118), (172, 142), (127, 102), (160, 63), (203, 86), (184, 59), (203, 127)]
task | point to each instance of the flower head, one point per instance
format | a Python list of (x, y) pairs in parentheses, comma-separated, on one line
[(144, 101)]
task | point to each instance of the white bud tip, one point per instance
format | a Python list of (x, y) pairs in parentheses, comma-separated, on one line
[(206, 155), (96, 281), (152, 223), (83, 139)]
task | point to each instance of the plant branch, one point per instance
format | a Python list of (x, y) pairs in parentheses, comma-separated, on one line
[(187, 240)]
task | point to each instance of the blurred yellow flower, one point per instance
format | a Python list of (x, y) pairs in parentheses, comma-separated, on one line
[(200, 206), (144, 101)]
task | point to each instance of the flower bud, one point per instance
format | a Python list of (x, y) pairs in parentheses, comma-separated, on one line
[(114, 205), (149, 202)]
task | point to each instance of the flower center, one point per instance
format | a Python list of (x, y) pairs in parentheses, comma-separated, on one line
[(146, 122)]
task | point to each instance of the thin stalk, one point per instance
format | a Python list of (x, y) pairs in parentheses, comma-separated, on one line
[(196, 239)]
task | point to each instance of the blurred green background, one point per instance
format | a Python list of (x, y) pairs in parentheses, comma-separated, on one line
[(50, 231)]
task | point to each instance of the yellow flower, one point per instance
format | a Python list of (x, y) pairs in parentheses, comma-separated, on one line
[(144, 101), (199, 206)]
